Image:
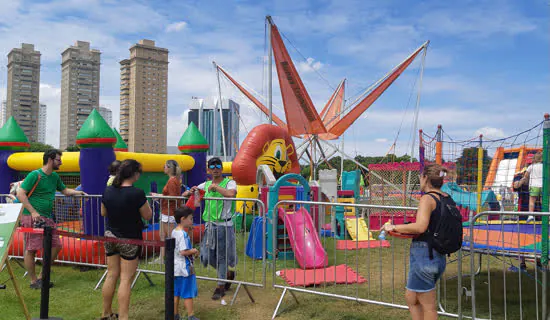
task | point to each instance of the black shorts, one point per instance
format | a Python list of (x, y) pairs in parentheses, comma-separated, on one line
[(125, 250)]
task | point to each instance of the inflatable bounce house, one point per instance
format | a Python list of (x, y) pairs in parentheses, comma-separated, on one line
[(99, 146)]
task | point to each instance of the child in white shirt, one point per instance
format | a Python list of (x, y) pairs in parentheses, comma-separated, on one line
[(534, 173), (185, 281)]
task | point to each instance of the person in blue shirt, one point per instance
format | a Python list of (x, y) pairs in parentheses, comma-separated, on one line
[(185, 281)]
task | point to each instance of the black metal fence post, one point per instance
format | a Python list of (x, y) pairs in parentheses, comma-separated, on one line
[(46, 269), (170, 244)]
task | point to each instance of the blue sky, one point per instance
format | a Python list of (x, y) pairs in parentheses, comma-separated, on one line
[(487, 67)]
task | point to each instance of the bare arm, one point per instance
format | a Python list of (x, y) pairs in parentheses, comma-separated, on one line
[(227, 193), (188, 252), (72, 192), (22, 196), (145, 211), (425, 207), (103, 210)]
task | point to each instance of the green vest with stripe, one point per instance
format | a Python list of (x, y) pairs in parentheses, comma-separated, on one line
[(213, 208)]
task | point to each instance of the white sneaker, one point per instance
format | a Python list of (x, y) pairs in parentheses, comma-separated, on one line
[(530, 219), (158, 260)]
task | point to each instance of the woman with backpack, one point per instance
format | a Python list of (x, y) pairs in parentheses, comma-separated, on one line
[(427, 257)]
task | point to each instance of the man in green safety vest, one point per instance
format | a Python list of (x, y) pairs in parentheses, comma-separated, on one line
[(218, 248)]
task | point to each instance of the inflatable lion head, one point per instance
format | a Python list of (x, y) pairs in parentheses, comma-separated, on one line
[(265, 144)]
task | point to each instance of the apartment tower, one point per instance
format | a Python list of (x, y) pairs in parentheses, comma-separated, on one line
[(107, 115), (143, 98), (79, 89), (42, 123), (23, 89)]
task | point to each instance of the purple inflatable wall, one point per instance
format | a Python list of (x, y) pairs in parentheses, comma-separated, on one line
[(94, 173), (7, 175)]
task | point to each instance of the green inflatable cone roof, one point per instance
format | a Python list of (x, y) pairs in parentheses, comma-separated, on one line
[(120, 144), (192, 140), (12, 137), (95, 132)]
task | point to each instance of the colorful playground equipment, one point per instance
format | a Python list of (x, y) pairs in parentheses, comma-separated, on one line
[(295, 233)]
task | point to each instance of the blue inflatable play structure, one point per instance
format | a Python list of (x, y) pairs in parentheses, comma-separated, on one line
[(469, 199)]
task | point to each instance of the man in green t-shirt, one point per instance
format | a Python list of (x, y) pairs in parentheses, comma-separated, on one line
[(41, 186)]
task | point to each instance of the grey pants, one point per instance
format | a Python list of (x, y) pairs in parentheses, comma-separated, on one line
[(218, 249)]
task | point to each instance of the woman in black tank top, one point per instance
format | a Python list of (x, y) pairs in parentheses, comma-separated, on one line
[(424, 271)]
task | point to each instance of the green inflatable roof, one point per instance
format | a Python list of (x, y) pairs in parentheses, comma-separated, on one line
[(12, 137), (192, 140), (95, 132), (120, 144)]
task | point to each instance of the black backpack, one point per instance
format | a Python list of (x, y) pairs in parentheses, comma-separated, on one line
[(446, 237)]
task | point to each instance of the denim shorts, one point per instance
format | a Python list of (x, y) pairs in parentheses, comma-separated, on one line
[(423, 272)]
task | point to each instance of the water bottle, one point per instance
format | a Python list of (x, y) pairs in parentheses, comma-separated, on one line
[(382, 235), (197, 199)]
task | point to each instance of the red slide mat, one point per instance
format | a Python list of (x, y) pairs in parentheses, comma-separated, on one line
[(341, 274), (369, 244)]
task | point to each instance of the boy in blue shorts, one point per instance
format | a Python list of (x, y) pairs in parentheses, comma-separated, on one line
[(185, 282)]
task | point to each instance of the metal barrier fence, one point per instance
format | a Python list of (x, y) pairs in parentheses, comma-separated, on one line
[(512, 284), (70, 214), (248, 272), (372, 272)]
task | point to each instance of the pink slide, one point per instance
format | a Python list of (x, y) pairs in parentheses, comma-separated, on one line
[(307, 247)]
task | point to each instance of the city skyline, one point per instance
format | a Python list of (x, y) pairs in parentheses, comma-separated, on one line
[(476, 76)]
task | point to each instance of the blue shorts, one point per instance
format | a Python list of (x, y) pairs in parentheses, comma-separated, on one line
[(423, 272), (185, 287)]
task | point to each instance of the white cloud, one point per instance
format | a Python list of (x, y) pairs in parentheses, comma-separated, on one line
[(491, 133), (176, 26), (310, 65), (381, 140), (473, 21)]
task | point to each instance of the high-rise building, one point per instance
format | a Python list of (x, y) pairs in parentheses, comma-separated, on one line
[(79, 89), (42, 121), (207, 113), (143, 98), (3, 114), (107, 114), (23, 88)]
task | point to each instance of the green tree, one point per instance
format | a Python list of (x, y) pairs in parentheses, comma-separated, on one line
[(73, 148), (466, 166), (39, 147)]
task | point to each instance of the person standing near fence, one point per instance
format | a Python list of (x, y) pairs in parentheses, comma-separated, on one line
[(185, 281), (172, 188), (113, 168), (534, 174), (425, 267), (124, 206), (37, 194), (218, 247)]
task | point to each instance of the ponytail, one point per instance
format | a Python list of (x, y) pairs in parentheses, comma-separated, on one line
[(128, 168)]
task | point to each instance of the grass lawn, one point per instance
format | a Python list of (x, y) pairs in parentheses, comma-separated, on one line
[(73, 296)]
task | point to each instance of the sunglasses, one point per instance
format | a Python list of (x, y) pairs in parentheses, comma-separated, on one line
[(215, 166)]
